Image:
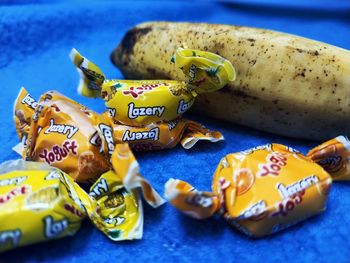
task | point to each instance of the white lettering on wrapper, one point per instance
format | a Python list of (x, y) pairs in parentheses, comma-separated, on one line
[(254, 210), (99, 188), (289, 190), (107, 133), (13, 181), (69, 130), (12, 236), (30, 101), (53, 228), (183, 106), (134, 112), (152, 134)]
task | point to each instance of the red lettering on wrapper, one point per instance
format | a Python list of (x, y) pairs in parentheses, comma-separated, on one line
[(57, 109), (288, 205), (136, 91), (22, 190), (58, 153), (73, 210), (274, 163)]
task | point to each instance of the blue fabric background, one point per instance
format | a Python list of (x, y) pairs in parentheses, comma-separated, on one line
[(35, 39)]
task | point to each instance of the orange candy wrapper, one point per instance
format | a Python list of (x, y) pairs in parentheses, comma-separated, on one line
[(64, 134), (334, 157), (164, 135), (268, 188)]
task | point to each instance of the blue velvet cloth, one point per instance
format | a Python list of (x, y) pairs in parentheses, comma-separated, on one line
[(35, 39)]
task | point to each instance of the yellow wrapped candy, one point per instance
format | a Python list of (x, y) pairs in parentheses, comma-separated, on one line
[(53, 205), (142, 102)]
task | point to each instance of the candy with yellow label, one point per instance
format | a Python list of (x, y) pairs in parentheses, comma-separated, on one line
[(268, 188), (53, 205), (142, 102)]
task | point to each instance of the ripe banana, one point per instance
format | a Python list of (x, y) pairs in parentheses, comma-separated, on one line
[(285, 84)]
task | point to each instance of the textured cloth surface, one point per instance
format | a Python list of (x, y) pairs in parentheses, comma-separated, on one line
[(35, 39)]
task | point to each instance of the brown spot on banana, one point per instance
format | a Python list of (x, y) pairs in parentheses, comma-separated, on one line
[(282, 67), (131, 38), (127, 45)]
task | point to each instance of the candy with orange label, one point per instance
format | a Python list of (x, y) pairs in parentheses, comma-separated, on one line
[(334, 157), (24, 108), (268, 188), (157, 136), (142, 102), (64, 134)]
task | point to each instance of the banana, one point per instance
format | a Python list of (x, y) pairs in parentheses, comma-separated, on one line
[(286, 84)]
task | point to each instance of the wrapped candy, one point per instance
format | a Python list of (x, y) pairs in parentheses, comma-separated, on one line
[(157, 136), (53, 205), (268, 188), (64, 134), (142, 102)]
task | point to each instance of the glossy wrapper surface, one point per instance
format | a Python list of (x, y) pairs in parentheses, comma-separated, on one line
[(263, 190), (41, 203), (64, 134), (142, 102)]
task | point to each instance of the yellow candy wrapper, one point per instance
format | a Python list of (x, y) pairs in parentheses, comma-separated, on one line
[(120, 200), (54, 205), (265, 189), (142, 102)]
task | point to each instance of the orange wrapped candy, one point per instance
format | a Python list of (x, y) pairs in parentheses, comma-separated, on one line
[(157, 136), (268, 188), (334, 157), (64, 134)]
